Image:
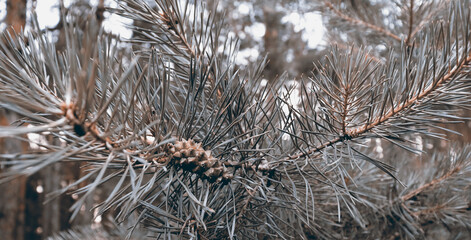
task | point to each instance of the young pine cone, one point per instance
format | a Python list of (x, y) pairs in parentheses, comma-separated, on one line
[(190, 156)]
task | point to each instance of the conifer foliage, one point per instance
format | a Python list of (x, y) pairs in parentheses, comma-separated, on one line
[(197, 148)]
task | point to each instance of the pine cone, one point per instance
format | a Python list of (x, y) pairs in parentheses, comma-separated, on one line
[(191, 156)]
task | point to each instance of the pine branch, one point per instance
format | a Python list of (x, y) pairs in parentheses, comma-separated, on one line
[(427, 19), (396, 111), (362, 23), (414, 100), (430, 184)]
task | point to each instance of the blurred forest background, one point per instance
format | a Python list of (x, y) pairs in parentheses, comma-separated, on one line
[(294, 35)]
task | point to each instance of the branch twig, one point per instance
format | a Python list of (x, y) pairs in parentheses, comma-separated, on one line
[(430, 184), (363, 23), (355, 132)]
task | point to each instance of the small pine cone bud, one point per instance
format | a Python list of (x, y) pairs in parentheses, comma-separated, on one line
[(186, 153), (177, 155), (184, 144), (191, 152), (209, 163), (209, 173), (213, 172), (199, 154), (207, 154), (190, 156), (192, 161), (184, 162), (171, 149), (178, 146)]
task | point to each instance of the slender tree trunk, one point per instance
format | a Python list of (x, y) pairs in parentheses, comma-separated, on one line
[(51, 177), (275, 66), (16, 15), (12, 197)]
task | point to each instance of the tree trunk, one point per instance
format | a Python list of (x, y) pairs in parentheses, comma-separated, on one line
[(12, 197), (16, 15)]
